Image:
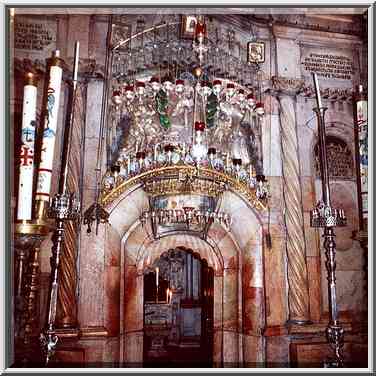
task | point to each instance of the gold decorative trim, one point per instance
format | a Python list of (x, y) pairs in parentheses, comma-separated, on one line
[(93, 331), (34, 227), (235, 185), (68, 333)]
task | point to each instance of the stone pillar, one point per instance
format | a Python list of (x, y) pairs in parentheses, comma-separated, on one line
[(230, 318), (218, 320), (133, 316), (298, 296), (253, 310), (92, 246)]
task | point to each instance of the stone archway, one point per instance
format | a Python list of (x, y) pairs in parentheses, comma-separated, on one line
[(226, 290), (236, 258)]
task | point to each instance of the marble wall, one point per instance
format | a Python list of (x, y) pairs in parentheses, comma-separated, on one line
[(253, 284)]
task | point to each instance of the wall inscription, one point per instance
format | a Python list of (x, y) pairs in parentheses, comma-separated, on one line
[(329, 66), (34, 38), (335, 65)]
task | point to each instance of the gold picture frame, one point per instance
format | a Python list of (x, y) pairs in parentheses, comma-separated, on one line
[(188, 26), (256, 52)]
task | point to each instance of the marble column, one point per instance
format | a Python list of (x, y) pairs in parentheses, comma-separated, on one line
[(67, 304), (298, 296)]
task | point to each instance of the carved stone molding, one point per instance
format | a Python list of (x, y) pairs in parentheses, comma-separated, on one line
[(330, 94), (295, 86), (290, 86)]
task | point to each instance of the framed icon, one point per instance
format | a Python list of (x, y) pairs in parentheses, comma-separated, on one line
[(256, 52), (188, 26)]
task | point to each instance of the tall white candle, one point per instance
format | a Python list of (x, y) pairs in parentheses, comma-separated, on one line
[(155, 152), (49, 131), (157, 276), (129, 165), (184, 149), (317, 90), (25, 189)]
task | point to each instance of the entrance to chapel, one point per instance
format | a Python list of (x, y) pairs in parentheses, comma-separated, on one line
[(178, 310)]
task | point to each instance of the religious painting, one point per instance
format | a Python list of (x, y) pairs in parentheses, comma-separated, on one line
[(188, 26), (256, 52)]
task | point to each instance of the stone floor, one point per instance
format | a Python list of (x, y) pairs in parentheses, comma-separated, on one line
[(181, 357)]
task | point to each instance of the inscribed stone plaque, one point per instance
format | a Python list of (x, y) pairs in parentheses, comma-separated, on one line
[(331, 65), (34, 37)]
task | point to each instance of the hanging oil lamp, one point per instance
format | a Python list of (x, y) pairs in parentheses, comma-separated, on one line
[(155, 84), (179, 87), (260, 109), (217, 87)]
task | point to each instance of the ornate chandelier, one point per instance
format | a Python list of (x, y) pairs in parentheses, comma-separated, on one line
[(180, 117)]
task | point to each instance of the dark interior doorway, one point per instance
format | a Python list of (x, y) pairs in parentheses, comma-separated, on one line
[(178, 311)]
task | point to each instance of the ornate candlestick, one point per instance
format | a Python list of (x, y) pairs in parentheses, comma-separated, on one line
[(29, 232), (64, 206), (324, 216), (28, 237)]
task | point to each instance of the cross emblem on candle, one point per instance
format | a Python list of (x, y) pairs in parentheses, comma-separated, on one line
[(28, 134), (26, 156)]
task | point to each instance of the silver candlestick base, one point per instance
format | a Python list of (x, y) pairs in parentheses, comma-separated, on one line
[(335, 336), (48, 343), (324, 216)]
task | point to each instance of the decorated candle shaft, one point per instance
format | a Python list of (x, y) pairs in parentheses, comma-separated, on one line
[(25, 190), (362, 127), (49, 130)]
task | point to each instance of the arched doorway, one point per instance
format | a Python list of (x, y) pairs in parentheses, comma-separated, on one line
[(178, 310), (236, 258)]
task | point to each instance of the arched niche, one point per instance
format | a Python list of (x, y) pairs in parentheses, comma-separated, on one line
[(235, 256)]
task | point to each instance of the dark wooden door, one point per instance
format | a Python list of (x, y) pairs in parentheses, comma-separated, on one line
[(207, 293)]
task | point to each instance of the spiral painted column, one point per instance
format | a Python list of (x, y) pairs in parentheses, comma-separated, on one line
[(298, 297), (67, 303)]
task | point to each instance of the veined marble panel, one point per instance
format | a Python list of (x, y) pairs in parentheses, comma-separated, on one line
[(350, 290), (275, 148), (275, 283), (91, 274), (78, 29), (133, 348), (254, 350), (230, 349), (288, 57), (93, 109)]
